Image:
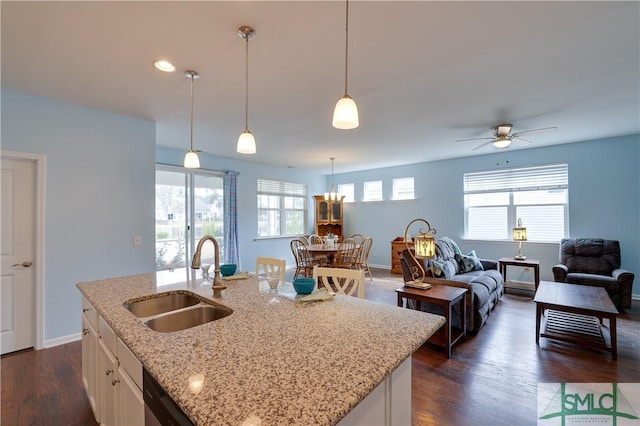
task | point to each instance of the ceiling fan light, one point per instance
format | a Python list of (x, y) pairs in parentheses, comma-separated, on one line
[(191, 160), (345, 114), (502, 142), (246, 143)]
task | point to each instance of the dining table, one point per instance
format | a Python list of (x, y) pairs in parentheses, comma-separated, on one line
[(329, 251)]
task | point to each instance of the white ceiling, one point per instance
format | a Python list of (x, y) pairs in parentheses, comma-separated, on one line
[(422, 73)]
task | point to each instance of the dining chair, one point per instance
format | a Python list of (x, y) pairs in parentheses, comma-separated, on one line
[(362, 259), (340, 280), (315, 239), (304, 262), (358, 238), (346, 254), (271, 267)]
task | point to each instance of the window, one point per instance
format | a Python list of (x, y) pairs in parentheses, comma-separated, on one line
[(403, 189), (372, 191), (185, 201), (282, 208), (494, 200), (347, 189)]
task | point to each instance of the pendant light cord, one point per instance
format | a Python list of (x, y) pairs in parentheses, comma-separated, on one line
[(191, 112), (246, 86), (346, 48)]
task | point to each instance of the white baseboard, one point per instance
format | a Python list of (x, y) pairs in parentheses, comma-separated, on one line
[(62, 340)]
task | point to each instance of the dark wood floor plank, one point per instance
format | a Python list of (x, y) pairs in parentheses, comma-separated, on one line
[(491, 379)]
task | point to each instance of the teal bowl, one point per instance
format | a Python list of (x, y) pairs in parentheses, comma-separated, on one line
[(304, 285), (228, 269)]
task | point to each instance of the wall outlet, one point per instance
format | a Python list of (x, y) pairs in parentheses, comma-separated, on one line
[(137, 240)]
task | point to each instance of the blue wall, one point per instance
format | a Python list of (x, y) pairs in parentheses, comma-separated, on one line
[(100, 180), (604, 200)]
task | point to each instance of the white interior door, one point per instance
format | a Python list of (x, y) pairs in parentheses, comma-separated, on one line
[(17, 280)]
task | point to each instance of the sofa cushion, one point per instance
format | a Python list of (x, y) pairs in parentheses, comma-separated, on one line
[(609, 283)]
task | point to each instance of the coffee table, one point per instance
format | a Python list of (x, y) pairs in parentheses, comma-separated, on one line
[(447, 297), (575, 314)]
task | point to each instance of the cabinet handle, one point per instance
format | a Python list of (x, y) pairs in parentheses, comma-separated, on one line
[(85, 331), (85, 310), (108, 372), (114, 381)]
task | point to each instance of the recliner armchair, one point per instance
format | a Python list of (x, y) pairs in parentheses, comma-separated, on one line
[(595, 262)]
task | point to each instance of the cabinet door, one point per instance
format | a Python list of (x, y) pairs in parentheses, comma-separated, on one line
[(322, 211), (90, 363), (109, 386), (336, 211), (131, 401)]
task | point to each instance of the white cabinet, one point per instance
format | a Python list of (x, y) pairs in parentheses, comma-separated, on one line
[(109, 386), (90, 354), (111, 374), (130, 372)]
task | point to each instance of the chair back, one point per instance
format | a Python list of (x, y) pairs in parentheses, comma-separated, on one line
[(270, 267), (358, 238), (315, 239), (362, 259), (301, 256), (340, 280), (346, 254), (590, 255)]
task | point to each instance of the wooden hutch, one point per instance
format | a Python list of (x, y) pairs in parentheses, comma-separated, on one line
[(328, 216)]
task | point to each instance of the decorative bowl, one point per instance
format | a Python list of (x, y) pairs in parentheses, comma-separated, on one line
[(304, 285), (228, 269)]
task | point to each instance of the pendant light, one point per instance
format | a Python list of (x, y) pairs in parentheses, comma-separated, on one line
[(345, 114), (246, 141), (331, 195), (191, 160)]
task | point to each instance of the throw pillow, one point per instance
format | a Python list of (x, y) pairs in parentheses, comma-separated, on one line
[(441, 269), (465, 263), (478, 264)]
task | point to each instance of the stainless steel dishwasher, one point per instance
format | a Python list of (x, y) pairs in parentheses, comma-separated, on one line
[(159, 408)]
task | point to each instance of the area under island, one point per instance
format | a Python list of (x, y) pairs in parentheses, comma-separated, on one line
[(271, 363)]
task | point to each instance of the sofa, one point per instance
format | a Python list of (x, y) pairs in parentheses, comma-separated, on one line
[(480, 277), (595, 262)]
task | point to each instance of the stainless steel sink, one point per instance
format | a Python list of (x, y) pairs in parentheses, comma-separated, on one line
[(188, 318), (160, 304)]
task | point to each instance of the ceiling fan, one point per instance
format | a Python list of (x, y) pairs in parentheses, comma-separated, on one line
[(502, 136)]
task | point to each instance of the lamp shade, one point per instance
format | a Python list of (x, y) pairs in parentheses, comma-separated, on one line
[(425, 246), (191, 160), (345, 114), (520, 234), (246, 143)]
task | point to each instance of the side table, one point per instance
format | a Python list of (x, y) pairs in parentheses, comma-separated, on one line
[(527, 263), (446, 297)]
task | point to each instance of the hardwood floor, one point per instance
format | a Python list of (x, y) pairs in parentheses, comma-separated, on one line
[(491, 378), (44, 388)]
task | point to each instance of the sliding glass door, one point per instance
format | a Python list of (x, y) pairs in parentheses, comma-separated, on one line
[(189, 204)]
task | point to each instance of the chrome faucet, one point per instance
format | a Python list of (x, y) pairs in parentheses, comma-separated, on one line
[(218, 285)]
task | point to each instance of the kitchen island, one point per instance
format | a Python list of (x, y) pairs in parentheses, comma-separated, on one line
[(267, 363)]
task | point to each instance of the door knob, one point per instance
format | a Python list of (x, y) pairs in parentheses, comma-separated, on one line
[(26, 263)]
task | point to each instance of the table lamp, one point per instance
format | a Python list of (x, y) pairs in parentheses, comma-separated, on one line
[(425, 248), (520, 235)]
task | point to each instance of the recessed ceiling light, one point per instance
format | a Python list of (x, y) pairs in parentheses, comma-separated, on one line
[(165, 66)]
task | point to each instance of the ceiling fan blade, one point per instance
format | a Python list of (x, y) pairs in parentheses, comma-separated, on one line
[(515, 135), (474, 139), (521, 140), (483, 144)]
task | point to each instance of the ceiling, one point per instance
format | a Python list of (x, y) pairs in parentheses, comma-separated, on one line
[(423, 73)]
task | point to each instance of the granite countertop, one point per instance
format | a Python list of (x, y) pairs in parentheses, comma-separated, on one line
[(282, 363)]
